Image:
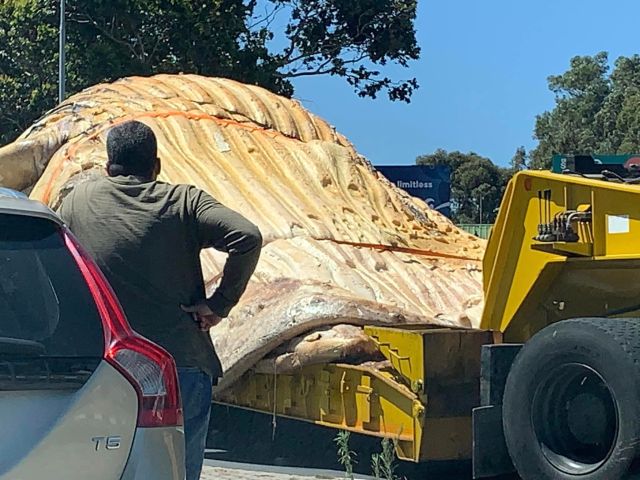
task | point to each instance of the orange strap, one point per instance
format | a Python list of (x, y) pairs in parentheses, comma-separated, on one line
[(412, 251)]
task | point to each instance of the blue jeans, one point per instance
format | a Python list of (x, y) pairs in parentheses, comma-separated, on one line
[(196, 390)]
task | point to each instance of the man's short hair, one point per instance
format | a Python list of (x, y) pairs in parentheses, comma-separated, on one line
[(132, 149)]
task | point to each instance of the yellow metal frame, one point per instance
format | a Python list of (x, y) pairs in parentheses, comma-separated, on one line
[(358, 399), (423, 403), (530, 284)]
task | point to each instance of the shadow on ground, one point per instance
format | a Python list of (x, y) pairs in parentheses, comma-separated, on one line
[(241, 436)]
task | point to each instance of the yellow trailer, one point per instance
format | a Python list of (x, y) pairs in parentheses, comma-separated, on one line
[(550, 385)]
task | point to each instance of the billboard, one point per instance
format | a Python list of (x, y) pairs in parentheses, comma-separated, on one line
[(431, 184)]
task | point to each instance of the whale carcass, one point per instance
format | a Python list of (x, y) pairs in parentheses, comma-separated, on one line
[(343, 247)]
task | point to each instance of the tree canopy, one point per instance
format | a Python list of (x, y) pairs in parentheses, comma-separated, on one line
[(595, 111), (520, 160), (475, 182), (266, 42)]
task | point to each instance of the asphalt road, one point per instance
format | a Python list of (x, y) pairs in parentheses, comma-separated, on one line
[(220, 470), (247, 441)]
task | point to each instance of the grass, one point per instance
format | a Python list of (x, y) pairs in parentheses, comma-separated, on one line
[(383, 464), (346, 456)]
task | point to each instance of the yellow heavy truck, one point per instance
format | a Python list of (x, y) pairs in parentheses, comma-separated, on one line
[(548, 387)]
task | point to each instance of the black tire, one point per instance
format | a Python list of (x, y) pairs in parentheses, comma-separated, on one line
[(571, 406)]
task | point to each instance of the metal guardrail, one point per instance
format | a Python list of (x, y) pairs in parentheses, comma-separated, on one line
[(482, 230)]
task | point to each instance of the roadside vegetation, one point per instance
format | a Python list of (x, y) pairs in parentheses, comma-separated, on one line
[(383, 464)]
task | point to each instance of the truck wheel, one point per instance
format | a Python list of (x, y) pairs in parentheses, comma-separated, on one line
[(571, 406)]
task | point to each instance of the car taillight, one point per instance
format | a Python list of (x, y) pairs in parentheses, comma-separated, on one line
[(148, 367)]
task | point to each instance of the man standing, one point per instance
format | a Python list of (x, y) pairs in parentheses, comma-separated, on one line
[(146, 236)]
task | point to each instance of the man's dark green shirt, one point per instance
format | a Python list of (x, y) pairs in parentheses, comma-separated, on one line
[(146, 237)]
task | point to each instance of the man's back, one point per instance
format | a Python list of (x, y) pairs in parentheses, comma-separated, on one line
[(146, 236)]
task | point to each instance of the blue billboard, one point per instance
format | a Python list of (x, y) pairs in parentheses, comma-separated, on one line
[(431, 184)]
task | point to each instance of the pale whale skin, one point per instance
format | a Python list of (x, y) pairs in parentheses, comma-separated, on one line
[(342, 245)]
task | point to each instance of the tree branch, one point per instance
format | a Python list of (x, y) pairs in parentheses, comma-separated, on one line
[(331, 50), (321, 70), (268, 18), (294, 38), (318, 71), (308, 73), (155, 48), (108, 34), (11, 120)]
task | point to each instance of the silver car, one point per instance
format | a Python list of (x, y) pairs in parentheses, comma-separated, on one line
[(82, 396)]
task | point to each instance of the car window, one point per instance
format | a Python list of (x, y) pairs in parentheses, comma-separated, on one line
[(45, 306)]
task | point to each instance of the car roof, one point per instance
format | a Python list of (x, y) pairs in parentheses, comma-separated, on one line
[(17, 203)]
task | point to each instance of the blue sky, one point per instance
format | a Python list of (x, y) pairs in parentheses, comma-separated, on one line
[(483, 76)]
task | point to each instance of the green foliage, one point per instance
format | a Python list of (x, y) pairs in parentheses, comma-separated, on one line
[(109, 39), (117, 38), (595, 112), (519, 161), (28, 63), (345, 456), (335, 37), (475, 182), (383, 464)]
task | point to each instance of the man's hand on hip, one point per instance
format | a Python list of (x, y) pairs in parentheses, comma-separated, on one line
[(203, 315)]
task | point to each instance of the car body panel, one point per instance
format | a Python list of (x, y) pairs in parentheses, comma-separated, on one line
[(23, 206), (54, 434), (157, 453)]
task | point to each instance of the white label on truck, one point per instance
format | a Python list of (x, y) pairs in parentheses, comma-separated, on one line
[(617, 224)]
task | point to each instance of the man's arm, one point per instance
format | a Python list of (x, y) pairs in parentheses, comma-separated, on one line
[(228, 231)]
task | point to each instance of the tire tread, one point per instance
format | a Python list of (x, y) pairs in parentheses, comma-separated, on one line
[(625, 331)]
